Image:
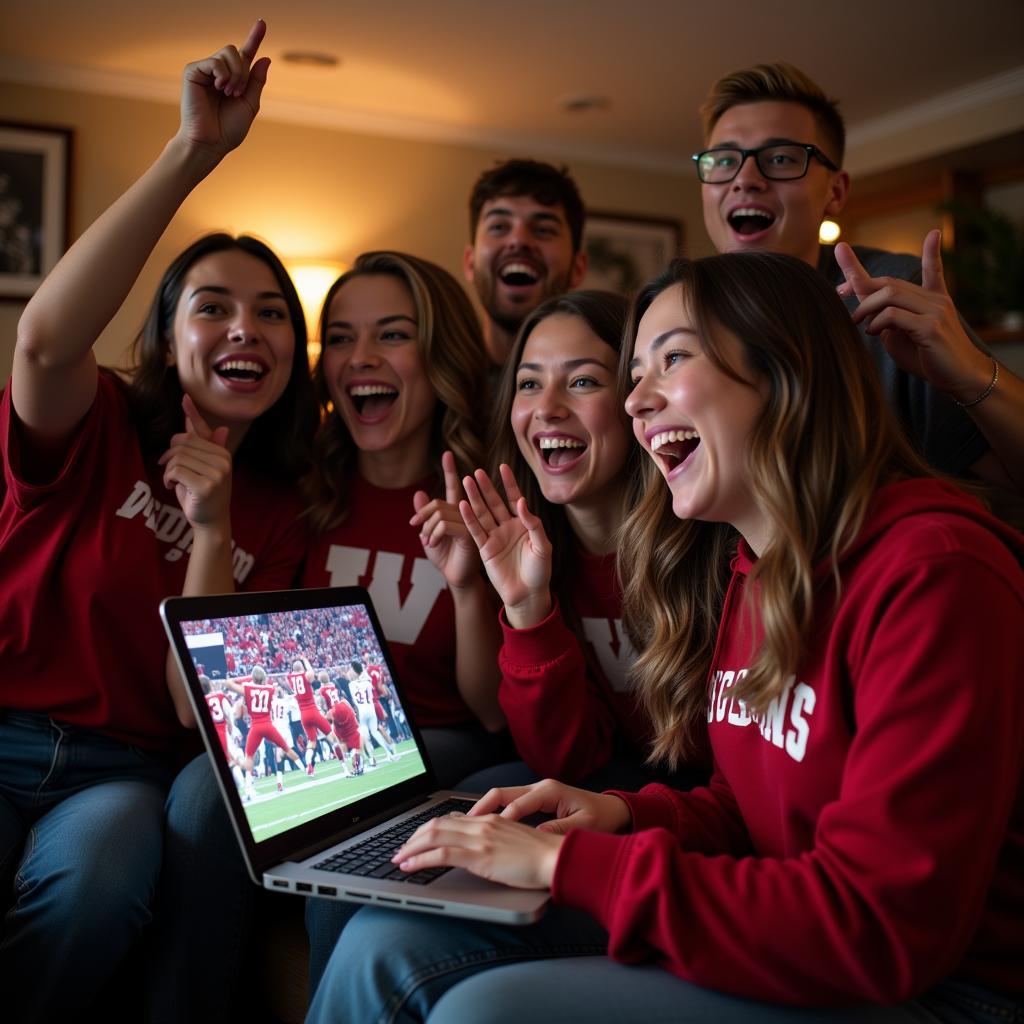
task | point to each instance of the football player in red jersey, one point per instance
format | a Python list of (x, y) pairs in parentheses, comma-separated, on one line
[(301, 682), (347, 735), (258, 694)]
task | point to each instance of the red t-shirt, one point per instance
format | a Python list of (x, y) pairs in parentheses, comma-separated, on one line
[(376, 548), (85, 560)]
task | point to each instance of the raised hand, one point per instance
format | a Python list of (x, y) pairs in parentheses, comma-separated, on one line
[(220, 94), (918, 324), (514, 548), (492, 847), (198, 466), (446, 541), (571, 807)]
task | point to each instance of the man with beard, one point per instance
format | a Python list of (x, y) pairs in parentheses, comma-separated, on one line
[(526, 225)]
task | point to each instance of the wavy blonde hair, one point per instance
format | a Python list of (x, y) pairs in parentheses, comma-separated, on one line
[(454, 359), (823, 445)]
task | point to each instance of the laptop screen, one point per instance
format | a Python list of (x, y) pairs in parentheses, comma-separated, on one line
[(308, 717)]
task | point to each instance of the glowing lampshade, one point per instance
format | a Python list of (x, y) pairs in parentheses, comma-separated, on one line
[(312, 280), (828, 232)]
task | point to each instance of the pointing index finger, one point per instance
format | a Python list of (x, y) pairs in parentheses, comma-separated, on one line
[(932, 278), (452, 489), (252, 43)]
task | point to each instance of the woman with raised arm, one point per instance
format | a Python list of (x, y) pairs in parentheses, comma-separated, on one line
[(401, 382), (115, 494), (569, 468), (856, 855)]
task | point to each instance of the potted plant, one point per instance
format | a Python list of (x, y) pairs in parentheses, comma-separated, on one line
[(987, 265)]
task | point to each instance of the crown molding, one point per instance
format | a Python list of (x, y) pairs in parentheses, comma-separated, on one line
[(164, 90), (1008, 85)]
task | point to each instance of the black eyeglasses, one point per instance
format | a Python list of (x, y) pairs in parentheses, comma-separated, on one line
[(785, 161)]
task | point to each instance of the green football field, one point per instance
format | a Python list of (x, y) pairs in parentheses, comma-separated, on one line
[(305, 798)]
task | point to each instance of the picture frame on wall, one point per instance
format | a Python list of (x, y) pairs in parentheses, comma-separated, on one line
[(34, 174), (624, 251)]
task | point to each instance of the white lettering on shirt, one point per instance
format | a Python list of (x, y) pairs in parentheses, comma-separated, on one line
[(170, 526), (614, 652), (785, 723), (402, 623)]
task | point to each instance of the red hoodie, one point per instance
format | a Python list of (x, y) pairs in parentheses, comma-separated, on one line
[(865, 838)]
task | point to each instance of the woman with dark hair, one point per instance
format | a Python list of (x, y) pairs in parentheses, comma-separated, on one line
[(116, 494), (856, 855), (569, 468)]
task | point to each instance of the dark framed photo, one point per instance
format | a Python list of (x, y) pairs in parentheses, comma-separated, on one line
[(34, 164), (625, 251)]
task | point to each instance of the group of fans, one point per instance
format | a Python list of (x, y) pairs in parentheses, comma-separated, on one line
[(270, 712)]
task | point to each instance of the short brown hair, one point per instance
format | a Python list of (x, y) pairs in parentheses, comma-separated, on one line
[(777, 81), (547, 184)]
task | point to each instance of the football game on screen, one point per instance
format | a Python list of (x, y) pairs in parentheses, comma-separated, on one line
[(306, 712)]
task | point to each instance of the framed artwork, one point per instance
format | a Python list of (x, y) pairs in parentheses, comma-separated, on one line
[(626, 251), (34, 165)]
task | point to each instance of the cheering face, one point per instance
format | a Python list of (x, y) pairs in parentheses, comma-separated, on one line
[(753, 212), (521, 255), (233, 338), (694, 420), (373, 366), (565, 415)]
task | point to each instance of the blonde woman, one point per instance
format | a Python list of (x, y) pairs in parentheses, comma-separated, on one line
[(856, 854)]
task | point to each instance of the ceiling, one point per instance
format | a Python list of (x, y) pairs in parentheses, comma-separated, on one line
[(495, 74)]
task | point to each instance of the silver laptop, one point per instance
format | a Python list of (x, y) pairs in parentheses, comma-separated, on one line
[(321, 816)]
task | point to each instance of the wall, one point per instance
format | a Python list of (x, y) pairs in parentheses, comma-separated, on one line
[(309, 192)]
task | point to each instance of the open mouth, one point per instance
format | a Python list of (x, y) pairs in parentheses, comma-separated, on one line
[(749, 220), (241, 369), (675, 446), (560, 451), (372, 400), (518, 274)]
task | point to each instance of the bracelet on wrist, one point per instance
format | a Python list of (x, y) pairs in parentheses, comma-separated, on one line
[(988, 391)]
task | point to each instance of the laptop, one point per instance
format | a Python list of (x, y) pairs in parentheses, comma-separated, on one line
[(323, 823)]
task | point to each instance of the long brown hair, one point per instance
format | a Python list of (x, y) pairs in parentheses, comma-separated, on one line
[(823, 445), (454, 360), (605, 314)]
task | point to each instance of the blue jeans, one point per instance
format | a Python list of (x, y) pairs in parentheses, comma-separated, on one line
[(81, 818), (453, 752), (204, 906), (392, 967)]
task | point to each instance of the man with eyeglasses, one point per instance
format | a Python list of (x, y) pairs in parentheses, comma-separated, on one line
[(770, 173)]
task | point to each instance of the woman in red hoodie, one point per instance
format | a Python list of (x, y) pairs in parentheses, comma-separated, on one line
[(857, 854)]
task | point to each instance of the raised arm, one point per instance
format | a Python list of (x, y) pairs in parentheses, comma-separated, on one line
[(923, 333), (447, 544), (54, 377)]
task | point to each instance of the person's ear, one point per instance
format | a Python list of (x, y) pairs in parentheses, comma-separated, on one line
[(579, 269), (838, 192), (467, 263)]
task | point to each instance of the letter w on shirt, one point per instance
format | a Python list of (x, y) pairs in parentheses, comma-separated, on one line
[(402, 622)]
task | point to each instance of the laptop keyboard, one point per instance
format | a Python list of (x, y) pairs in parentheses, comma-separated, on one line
[(372, 857)]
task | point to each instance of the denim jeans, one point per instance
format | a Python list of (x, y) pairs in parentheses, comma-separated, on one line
[(205, 903), (391, 967), (81, 819), (453, 752)]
